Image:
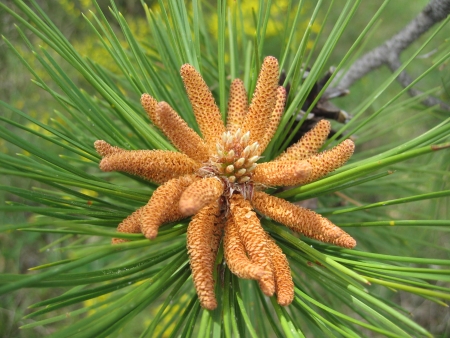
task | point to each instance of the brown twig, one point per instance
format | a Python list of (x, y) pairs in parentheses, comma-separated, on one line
[(389, 52)]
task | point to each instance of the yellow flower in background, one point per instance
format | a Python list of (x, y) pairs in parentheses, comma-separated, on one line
[(280, 15), (70, 8)]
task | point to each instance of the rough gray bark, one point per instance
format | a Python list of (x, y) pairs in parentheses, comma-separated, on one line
[(389, 52)]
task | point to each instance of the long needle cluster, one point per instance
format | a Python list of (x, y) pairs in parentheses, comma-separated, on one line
[(218, 181)]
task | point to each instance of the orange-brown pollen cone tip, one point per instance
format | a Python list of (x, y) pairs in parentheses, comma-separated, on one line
[(236, 256), (217, 179), (203, 238), (200, 194)]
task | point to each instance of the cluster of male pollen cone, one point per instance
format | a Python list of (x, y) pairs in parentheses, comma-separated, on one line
[(218, 181)]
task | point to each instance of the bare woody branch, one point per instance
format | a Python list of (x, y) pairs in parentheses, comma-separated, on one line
[(389, 52)]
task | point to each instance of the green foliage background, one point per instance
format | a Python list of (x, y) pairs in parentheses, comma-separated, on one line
[(87, 79)]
